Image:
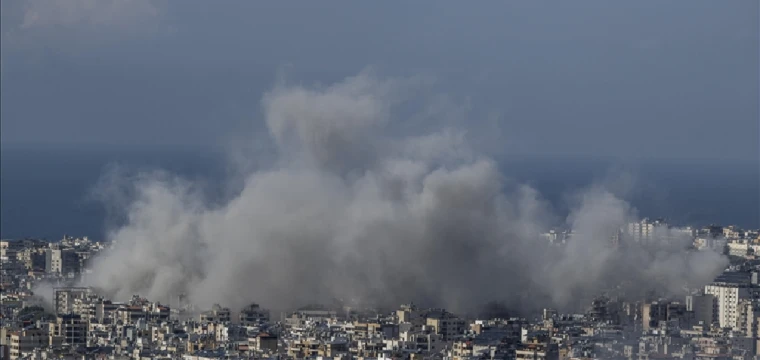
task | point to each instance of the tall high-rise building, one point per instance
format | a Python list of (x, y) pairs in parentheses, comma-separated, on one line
[(729, 290), (53, 261)]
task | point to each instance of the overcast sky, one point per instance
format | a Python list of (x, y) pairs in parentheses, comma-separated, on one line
[(663, 79)]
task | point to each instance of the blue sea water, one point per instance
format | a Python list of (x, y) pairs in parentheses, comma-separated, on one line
[(45, 192)]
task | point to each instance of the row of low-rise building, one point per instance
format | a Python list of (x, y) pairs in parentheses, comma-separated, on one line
[(718, 321), (730, 239), (611, 328)]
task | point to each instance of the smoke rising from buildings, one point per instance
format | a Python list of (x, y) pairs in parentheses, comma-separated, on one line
[(347, 211)]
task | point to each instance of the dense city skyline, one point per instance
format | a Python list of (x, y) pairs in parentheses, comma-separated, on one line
[(47, 312)]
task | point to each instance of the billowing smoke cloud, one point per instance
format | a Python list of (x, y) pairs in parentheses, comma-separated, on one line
[(43, 296), (349, 212)]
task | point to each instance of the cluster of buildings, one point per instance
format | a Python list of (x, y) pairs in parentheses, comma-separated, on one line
[(730, 240), (739, 243), (30, 260), (718, 322)]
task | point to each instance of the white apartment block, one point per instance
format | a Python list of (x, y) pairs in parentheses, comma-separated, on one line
[(645, 230), (728, 297)]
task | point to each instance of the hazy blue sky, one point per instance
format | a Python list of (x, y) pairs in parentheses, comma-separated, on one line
[(667, 79)]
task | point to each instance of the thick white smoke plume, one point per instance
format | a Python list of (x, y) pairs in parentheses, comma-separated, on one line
[(349, 212)]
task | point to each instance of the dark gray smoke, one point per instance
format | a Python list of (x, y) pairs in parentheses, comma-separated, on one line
[(351, 213)]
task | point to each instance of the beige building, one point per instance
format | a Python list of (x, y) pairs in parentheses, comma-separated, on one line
[(410, 314), (4, 248), (749, 312), (447, 326), (9, 250), (537, 351), (738, 248), (25, 341)]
